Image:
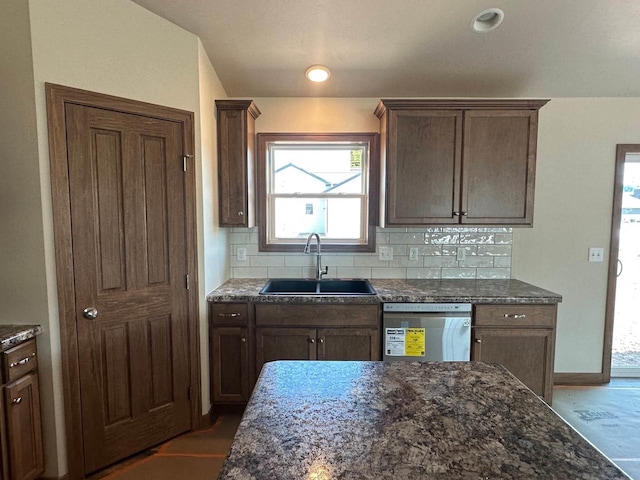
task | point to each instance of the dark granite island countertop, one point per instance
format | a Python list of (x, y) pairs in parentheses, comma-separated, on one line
[(12, 335), (397, 421), (399, 290)]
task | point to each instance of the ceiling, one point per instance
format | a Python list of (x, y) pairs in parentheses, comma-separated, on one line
[(416, 48)]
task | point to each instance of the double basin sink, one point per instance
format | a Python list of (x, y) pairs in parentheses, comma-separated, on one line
[(296, 286)]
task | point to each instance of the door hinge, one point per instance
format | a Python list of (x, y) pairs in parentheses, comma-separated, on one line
[(184, 161), (187, 282)]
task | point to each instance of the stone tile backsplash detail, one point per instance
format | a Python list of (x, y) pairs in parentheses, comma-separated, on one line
[(475, 252)]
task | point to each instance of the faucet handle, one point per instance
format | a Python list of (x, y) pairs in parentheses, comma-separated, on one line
[(323, 271)]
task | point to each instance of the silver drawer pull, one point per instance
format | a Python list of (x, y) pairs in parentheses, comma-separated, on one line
[(228, 314), (22, 362), (16, 401), (514, 315)]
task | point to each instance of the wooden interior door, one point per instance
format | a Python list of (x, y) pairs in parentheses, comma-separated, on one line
[(127, 202)]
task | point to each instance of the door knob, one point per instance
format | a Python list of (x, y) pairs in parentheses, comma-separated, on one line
[(90, 313)]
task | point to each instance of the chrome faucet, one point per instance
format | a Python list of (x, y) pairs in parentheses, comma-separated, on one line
[(307, 250)]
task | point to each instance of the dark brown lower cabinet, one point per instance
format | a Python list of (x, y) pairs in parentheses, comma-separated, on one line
[(21, 454), (24, 431), (230, 364), (296, 343), (284, 344), (348, 344), (522, 339)]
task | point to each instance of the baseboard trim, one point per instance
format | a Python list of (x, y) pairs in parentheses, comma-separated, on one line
[(578, 379), (206, 420)]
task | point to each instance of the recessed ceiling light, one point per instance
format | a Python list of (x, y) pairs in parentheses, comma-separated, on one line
[(487, 20), (317, 73)]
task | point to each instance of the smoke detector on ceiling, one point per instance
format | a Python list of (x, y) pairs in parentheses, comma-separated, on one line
[(487, 20)]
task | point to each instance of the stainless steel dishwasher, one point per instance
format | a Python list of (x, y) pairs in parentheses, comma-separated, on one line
[(422, 332)]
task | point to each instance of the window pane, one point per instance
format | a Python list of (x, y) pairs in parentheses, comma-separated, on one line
[(317, 169), (338, 218)]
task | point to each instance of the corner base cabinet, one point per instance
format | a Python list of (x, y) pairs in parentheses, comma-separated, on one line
[(22, 451), (521, 338)]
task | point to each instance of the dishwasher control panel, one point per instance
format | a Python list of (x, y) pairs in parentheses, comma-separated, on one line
[(426, 307)]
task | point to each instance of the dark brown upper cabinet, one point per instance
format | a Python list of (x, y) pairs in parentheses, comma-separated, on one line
[(452, 162), (236, 162)]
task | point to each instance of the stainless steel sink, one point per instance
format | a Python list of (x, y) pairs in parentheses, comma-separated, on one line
[(298, 286)]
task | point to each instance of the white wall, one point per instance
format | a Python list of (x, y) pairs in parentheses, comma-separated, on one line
[(116, 48), (574, 194), (23, 288), (212, 252)]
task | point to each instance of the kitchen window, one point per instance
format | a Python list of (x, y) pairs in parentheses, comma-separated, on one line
[(325, 183)]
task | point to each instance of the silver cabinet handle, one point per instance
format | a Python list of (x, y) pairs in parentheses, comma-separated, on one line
[(514, 315), (478, 340), (90, 312), (312, 340), (240, 214), (16, 401), (243, 340), (464, 214), (456, 214), (321, 340), (229, 315), (22, 362)]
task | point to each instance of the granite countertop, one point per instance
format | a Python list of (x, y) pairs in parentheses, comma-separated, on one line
[(398, 290), (12, 335), (375, 420)]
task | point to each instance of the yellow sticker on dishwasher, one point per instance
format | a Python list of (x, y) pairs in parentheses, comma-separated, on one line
[(414, 344)]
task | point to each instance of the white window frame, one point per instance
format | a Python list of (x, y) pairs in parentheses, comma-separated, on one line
[(267, 197)]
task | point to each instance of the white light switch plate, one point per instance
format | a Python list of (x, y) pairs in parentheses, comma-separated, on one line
[(596, 254), (241, 254), (413, 254), (385, 254)]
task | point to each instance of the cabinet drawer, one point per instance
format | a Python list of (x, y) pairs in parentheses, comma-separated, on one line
[(515, 315), (318, 315), (19, 361), (229, 313)]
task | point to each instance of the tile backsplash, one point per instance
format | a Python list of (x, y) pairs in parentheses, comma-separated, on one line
[(474, 252)]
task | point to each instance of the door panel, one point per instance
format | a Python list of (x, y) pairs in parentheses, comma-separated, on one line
[(128, 229), (348, 344), (284, 344), (499, 166), (423, 171)]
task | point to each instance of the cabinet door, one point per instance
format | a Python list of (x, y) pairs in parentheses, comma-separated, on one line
[(348, 344), (526, 353), (24, 428), (230, 379), (499, 166), (423, 166), (236, 162), (284, 344)]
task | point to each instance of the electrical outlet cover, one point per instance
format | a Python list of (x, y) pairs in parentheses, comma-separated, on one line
[(241, 254), (413, 253), (386, 254)]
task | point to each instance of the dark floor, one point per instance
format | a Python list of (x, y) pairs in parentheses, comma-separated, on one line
[(197, 456), (608, 416)]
